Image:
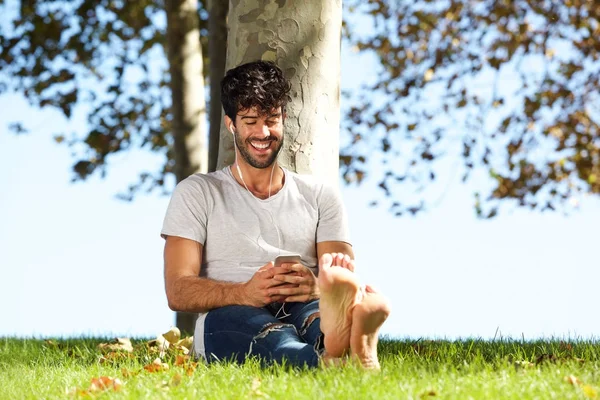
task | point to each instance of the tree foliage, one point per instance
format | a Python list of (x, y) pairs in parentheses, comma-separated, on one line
[(104, 56), (510, 86)]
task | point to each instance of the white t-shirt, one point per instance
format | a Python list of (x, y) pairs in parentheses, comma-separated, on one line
[(240, 233)]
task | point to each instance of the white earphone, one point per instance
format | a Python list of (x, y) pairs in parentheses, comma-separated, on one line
[(232, 130)]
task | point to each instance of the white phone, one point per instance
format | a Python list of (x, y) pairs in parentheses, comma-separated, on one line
[(288, 258)]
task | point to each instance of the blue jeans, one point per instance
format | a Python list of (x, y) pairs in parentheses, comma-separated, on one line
[(288, 332)]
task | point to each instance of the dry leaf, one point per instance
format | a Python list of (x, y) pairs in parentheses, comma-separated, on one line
[(185, 345), (160, 345), (104, 383), (573, 380), (428, 393), (190, 368), (182, 349), (181, 360), (157, 366), (186, 342), (173, 335), (119, 344)]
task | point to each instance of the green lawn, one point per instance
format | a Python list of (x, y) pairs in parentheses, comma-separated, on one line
[(410, 370)]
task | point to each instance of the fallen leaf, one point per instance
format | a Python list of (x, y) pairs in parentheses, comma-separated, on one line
[(160, 345), (182, 349), (104, 383), (185, 345), (156, 366), (173, 335), (181, 360), (119, 344), (190, 368), (573, 380), (428, 393), (186, 342)]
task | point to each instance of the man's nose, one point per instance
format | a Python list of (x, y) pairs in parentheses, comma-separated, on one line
[(265, 131)]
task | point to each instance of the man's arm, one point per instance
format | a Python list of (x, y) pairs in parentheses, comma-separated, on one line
[(188, 292)]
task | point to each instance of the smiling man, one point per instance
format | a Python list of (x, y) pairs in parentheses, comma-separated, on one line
[(225, 229)]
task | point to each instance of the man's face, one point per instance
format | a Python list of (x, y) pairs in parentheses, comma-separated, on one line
[(259, 137)]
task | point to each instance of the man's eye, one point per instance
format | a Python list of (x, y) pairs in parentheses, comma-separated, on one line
[(250, 123)]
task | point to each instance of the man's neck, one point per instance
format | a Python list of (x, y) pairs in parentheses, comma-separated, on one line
[(258, 180)]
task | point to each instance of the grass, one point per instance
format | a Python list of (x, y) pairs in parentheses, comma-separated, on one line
[(478, 369)]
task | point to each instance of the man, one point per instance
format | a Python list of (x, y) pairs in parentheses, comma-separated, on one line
[(223, 231)]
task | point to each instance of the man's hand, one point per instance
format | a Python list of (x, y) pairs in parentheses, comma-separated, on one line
[(299, 284), (258, 290)]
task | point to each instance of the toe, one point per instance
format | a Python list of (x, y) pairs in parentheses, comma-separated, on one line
[(370, 289), (325, 261)]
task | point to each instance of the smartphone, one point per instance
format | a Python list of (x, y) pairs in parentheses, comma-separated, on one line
[(288, 258)]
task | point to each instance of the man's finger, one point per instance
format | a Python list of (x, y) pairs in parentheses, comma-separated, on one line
[(266, 267), (298, 280), (288, 291), (281, 285), (296, 299), (280, 270), (298, 268)]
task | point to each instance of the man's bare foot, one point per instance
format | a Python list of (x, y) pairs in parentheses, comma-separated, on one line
[(340, 292), (367, 318)]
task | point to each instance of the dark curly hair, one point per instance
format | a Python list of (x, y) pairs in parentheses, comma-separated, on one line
[(259, 84)]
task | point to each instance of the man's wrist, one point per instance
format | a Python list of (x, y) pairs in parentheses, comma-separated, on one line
[(240, 294)]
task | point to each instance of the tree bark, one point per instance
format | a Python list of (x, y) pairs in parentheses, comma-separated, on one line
[(217, 53), (188, 104), (303, 38)]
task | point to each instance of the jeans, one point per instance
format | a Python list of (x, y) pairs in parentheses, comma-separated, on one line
[(279, 333)]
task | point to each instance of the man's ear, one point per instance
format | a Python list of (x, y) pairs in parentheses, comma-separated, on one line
[(229, 125)]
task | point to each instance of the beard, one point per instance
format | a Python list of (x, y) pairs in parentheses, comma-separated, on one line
[(254, 162)]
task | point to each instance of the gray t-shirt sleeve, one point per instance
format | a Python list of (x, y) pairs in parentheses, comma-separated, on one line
[(333, 223), (187, 213)]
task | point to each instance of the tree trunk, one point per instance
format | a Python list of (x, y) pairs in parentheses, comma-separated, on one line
[(303, 38), (188, 107), (217, 52)]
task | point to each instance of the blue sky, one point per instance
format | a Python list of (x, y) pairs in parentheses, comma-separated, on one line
[(75, 260)]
